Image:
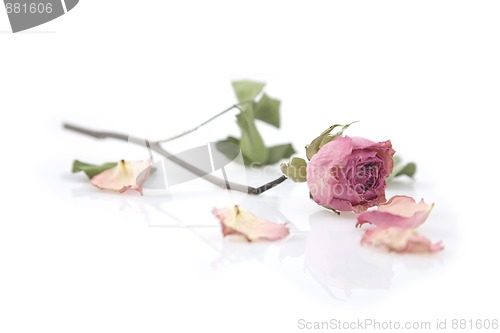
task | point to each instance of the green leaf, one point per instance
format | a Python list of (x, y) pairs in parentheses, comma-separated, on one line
[(247, 90), (279, 152), (276, 153), (400, 169), (313, 147), (251, 143), (324, 138), (91, 170), (295, 169), (330, 138), (267, 109), (409, 170), (230, 150)]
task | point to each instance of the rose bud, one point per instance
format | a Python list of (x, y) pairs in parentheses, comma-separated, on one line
[(348, 174)]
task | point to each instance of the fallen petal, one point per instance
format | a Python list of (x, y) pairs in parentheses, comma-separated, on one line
[(400, 211), (236, 221), (124, 176), (401, 240)]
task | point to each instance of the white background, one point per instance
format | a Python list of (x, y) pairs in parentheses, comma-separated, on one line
[(424, 74)]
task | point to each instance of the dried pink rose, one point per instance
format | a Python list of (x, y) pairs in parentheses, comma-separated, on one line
[(348, 174), (236, 221), (400, 211), (124, 176), (401, 240)]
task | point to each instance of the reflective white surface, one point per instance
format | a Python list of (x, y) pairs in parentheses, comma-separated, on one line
[(74, 259)]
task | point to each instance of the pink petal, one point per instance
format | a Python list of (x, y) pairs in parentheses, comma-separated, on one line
[(124, 176), (236, 221), (400, 211), (321, 183), (362, 143), (384, 148), (404, 206), (401, 240)]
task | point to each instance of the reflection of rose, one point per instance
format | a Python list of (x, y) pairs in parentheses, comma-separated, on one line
[(348, 174), (336, 261)]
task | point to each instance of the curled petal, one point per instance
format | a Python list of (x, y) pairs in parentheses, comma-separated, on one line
[(401, 240), (400, 211), (124, 176), (235, 221)]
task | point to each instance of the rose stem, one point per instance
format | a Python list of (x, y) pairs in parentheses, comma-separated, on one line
[(235, 106), (155, 146)]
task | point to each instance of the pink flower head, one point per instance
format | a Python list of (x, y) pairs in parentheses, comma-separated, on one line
[(348, 174), (236, 221), (400, 211), (401, 240), (124, 176)]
